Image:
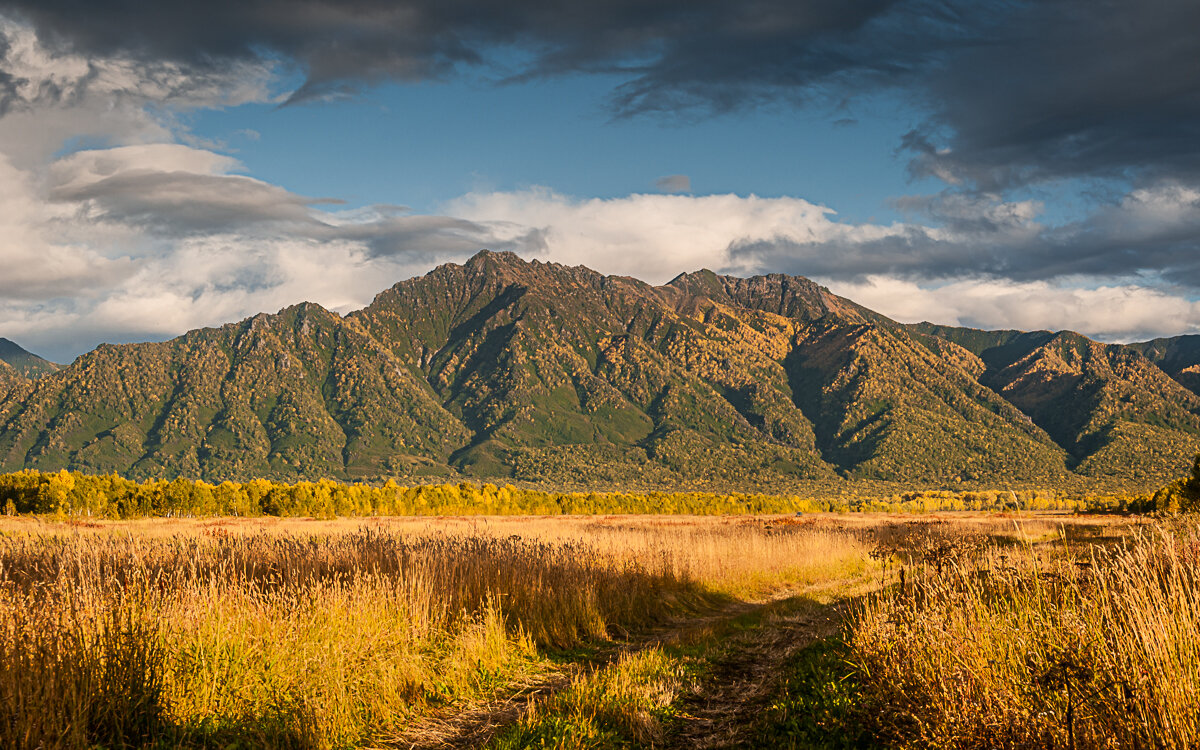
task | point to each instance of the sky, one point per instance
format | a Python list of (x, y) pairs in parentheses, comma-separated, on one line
[(1002, 164)]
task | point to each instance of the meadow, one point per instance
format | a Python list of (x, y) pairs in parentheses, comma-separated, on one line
[(341, 633), (822, 630)]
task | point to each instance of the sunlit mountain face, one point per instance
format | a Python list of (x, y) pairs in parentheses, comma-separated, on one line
[(502, 368)]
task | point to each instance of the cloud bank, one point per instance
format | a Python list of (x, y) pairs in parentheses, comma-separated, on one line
[(145, 242)]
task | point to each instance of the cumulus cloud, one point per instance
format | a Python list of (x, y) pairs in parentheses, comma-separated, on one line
[(203, 281), (151, 240), (37, 264), (1152, 230), (1124, 313), (653, 237), (966, 271), (204, 261)]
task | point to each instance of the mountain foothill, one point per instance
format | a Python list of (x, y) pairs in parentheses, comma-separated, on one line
[(501, 368)]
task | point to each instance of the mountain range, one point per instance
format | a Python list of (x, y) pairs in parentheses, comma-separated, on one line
[(507, 369)]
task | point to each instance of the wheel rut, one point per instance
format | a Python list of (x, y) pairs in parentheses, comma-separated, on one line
[(725, 707), (475, 725), (718, 712)]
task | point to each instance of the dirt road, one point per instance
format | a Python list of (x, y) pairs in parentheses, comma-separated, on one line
[(752, 641)]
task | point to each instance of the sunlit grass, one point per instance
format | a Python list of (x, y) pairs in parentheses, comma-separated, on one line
[(1063, 644), (627, 703), (336, 635), (1002, 631)]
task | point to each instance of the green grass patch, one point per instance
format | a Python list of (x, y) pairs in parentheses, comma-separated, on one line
[(819, 705)]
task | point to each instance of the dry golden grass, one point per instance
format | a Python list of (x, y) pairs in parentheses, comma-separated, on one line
[(1003, 631), (308, 633), (625, 703), (1088, 640)]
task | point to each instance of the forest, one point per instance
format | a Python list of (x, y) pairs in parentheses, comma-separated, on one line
[(73, 494)]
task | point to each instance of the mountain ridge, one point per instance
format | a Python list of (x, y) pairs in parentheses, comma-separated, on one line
[(25, 363), (501, 368)]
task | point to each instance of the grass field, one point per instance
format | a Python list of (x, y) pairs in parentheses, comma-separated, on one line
[(955, 630)]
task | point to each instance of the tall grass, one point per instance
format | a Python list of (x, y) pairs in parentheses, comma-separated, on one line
[(224, 633), (1053, 645), (69, 676)]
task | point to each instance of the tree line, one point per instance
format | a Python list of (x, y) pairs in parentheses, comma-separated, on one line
[(69, 493)]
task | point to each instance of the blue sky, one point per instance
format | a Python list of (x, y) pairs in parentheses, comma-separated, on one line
[(425, 144), (1017, 165)]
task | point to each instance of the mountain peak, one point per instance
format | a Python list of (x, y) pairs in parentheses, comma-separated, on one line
[(508, 367), (790, 296), (497, 259), (495, 255), (24, 362)]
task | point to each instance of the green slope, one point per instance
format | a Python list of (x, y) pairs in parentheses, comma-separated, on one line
[(502, 368), (10, 382), (1107, 405), (561, 372), (1178, 356), (289, 395), (1115, 412), (887, 407)]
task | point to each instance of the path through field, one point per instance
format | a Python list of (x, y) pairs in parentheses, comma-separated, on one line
[(743, 680), (747, 644)]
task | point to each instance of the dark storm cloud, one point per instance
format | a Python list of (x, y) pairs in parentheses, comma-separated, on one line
[(1069, 88), (1016, 91), (675, 53)]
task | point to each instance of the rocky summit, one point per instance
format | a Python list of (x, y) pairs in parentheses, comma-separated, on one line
[(507, 369)]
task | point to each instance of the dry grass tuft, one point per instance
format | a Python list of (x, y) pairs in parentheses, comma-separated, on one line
[(1005, 645)]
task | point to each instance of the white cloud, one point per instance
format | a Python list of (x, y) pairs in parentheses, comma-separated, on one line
[(53, 96), (150, 240), (1128, 312), (83, 169), (201, 282), (171, 188), (36, 262), (653, 237)]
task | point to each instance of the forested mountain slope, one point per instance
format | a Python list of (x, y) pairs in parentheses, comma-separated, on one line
[(504, 368), (1178, 356), (1110, 407)]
